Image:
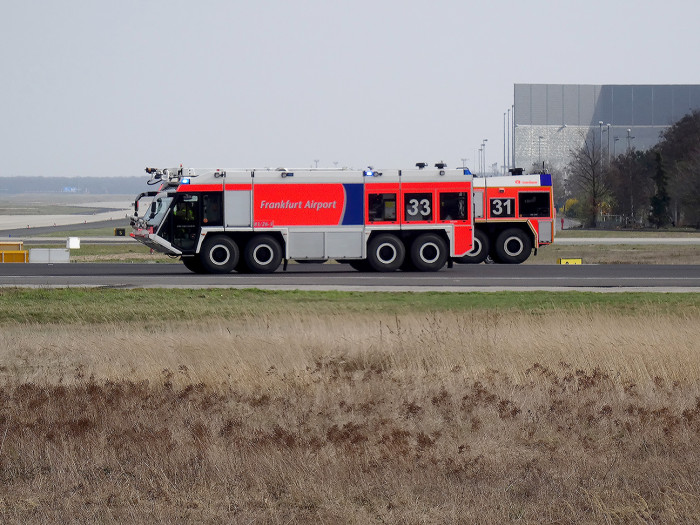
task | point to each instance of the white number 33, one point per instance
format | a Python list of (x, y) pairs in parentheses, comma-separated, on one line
[(421, 207)]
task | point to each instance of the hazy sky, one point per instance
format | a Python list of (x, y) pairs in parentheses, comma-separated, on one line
[(108, 87)]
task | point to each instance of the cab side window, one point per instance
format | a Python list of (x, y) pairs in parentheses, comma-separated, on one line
[(211, 210), (381, 207), (534, 204), (453, 206)]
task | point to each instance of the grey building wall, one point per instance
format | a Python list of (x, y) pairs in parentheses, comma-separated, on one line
[(551, 119)]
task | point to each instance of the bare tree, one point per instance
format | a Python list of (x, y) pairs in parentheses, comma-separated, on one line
[(687, 186), (630, 179), (588, 177)]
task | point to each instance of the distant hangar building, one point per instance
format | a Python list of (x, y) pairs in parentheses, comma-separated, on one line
[(550, 120)]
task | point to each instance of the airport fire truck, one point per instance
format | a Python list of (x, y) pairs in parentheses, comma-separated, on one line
[(218, 221), (512, 216)]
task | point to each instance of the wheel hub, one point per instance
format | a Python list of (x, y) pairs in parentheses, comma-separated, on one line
[(386, 253), (220, 255)]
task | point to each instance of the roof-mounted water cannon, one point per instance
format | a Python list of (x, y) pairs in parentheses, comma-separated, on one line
[(156, 176), (170, 176), (371, 172)]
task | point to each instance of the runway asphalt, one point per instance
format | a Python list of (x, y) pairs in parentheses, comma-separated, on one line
[(460, 278)]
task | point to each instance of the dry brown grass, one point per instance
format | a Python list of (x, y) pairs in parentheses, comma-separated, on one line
[(571, 417), (619, 254)]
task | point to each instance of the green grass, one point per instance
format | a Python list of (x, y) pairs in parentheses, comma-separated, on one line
[(172, 306), (107, 231), (619, 253), (127, 252), (55, 209)]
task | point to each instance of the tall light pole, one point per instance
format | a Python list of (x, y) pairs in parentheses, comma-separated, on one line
[(482, 160), (504, 143), (512, 163), (629, 140), (600, 124), (608, 145), (539, 151), (508, 162)]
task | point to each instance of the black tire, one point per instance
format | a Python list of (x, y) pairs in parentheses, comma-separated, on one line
[(429, 252), (263, 254), (193, 264), (479, 252), (385, 253), (219, 254), (513, 246)]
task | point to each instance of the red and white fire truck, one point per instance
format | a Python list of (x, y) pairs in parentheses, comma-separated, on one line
[(512, 216), (218, 221)]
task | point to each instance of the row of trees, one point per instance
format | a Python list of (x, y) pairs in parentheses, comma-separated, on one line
[(659, 187)]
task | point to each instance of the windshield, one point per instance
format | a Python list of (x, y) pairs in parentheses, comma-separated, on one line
[(159, 207)]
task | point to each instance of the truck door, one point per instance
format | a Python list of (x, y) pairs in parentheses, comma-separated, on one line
[(185, 222)]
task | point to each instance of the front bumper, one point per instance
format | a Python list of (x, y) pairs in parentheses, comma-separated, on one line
[(153, 241)]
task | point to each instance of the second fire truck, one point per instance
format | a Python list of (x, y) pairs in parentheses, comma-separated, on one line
[(218, 221)]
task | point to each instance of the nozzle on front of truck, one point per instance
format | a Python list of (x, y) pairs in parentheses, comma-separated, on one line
[(146, 226)]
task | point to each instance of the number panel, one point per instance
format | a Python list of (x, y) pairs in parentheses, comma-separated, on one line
[(501, 207), (418, 207)]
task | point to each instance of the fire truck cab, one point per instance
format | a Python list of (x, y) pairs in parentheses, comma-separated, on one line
[(513, 215)]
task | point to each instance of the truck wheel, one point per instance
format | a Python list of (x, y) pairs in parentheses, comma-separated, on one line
[(513, 246), (263, 254), (385, 253), (429, 252), (219, 254), (193, 264), (479, 252)]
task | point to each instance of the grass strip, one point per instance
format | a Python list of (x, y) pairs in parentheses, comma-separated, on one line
[(71, 305)]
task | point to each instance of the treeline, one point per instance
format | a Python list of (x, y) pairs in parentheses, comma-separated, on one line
[(92, 185), (659, 187)]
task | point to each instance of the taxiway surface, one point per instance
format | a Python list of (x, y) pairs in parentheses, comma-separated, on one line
[(653, 278)]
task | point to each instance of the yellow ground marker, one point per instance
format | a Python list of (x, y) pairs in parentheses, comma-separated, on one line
[(569, 261)]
